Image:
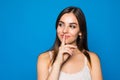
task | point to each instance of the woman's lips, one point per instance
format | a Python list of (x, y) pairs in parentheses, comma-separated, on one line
[(66, 36)]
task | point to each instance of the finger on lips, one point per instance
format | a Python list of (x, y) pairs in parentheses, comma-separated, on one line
[(63, 40), (63, 43), (67, 48)]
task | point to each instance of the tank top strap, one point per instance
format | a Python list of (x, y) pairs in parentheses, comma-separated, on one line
[(86, 61), (51, 55)]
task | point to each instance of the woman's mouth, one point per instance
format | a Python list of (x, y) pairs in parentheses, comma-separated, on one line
[(66, 36)]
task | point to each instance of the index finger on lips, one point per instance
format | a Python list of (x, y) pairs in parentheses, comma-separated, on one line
[(63, 40)]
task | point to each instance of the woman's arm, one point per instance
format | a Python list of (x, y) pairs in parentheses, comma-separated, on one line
[(96, 72)]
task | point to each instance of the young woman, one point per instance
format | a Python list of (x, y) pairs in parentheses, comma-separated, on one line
[(69, 59)]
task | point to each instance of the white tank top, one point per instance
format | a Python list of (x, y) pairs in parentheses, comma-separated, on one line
[(84, 74)]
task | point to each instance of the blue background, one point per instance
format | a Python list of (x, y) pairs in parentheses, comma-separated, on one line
[(27, 28)]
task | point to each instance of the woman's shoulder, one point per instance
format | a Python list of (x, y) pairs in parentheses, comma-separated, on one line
[(94, 58), (44, 55), (95, 66), (92, 54), (44, 58)]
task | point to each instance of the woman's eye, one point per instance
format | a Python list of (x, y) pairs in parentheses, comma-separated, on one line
[(72, 26), (60, 24)]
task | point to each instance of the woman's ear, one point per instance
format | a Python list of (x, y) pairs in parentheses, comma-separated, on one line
[(80, 34)]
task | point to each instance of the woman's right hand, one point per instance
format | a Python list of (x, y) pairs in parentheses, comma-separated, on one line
[(65, 51)]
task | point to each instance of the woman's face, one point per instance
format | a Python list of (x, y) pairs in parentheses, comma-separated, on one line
[(68, 26)]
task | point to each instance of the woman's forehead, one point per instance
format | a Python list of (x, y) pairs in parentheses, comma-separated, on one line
[(69, 18)]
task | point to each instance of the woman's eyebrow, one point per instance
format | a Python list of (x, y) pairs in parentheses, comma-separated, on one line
[(74, 23), (61, 21)]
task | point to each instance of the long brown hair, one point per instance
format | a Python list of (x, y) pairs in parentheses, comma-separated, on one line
[(81, 42)]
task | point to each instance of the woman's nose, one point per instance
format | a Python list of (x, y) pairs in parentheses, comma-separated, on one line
[(65, 30)]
